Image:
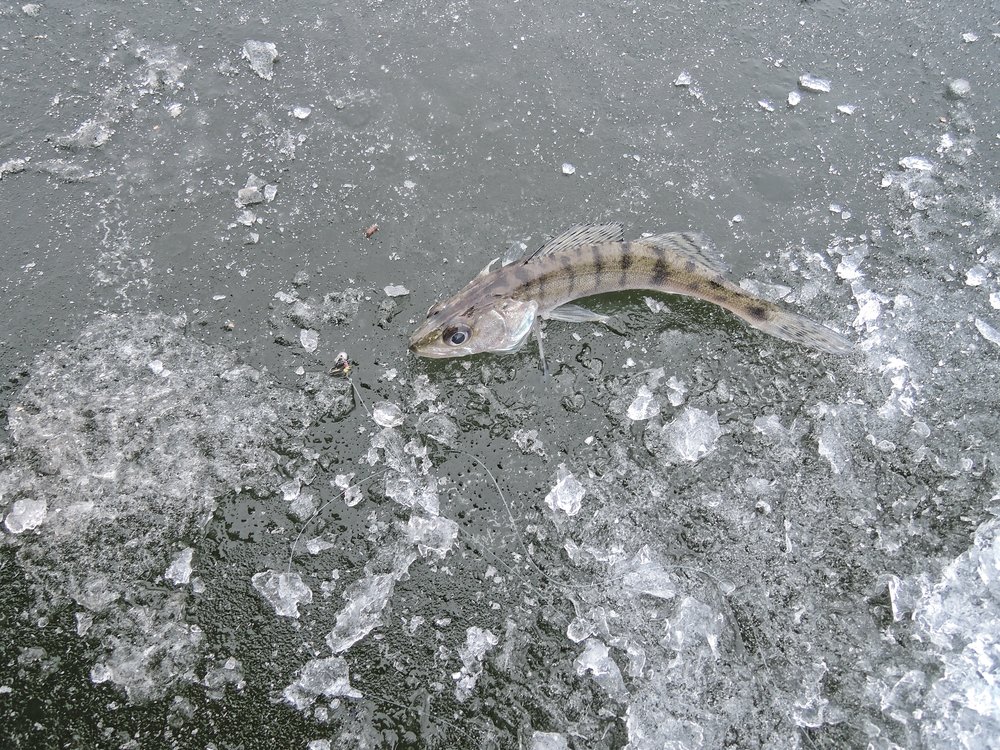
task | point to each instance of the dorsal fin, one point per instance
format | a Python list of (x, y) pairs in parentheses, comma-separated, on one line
[(580, 234), (689, 246)]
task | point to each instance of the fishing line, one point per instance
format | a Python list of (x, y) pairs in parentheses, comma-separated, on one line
[(320, 509)]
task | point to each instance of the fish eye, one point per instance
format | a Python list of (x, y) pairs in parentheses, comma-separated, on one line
[(457, 335)]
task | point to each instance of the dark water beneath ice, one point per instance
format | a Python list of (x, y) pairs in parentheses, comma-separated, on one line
[(705, 538)]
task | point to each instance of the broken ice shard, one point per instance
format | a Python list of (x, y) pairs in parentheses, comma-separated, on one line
[(25, 515), (917, 163), (683, 79), (432, 535), (644, 406), (261, 56), (477, 642), (365, 601), (809, 82), (285, 591), (597, 660), (387, 414), (567, 494), (179, 571), (693, 434), (309, 339), (327, 677), (988, 332), (396, 290)]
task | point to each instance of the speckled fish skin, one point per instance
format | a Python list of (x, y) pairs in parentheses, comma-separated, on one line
[(673, 263)]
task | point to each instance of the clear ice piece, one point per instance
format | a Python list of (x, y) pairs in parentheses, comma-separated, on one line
[(284, 591), (567, 495)]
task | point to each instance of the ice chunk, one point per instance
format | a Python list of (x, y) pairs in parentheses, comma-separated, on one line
[(831, 446), (301, 113), (316, 545), (810, 82), (995, 300), (432, 535), (248, 196), (683, 79), (13, 166), (90, 134), (179, 571), (647, 576), (387, 414), (976, 275), (677, 390), (352, 493), (692, 623), (644, 406), (568, 169), (959, 88), (846, 109), (548, 741), (396, 290), (477, 643), (328, 677), (794, 98), (217, 678), (304, 506), (693, 433), (766, 104), (31, 9), (654, 304), (366, 599), (916, 163), (319, 745), (597, 660), (26, 514), (568, 493), (869, 309), (284, 591), (261, 56), (309, 339), (528, 442), (988, 332)]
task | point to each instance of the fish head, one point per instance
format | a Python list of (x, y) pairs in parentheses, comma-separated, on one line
[(457, 330)]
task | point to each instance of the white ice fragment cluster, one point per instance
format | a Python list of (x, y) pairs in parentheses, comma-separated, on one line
[(179, 572), (13, 166), (548, 741), (214, 426), (869, 309), (328, 678), (567, 495), (396, 290), (316, 545), (309, 339), (692, 624), (478, 642), (387, 414), (261, 56), (810, 82), (25, 514), (92, 133), (285, 591), (644, 406), (596, 659), (432, 535), (528, 442), (693, 433)]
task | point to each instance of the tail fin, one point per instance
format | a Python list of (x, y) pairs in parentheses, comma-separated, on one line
[(793, 327)]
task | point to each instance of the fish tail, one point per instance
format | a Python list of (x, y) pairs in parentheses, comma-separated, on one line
[(783, 324)]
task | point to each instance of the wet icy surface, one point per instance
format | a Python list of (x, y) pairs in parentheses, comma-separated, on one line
[(688, 536)]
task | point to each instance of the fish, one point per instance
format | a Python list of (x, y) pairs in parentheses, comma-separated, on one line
[(498, 310)]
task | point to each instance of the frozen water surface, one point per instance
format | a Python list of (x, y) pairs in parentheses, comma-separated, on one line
[(690, 535)]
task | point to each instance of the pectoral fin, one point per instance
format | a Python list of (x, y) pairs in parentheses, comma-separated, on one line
[(575, 314)]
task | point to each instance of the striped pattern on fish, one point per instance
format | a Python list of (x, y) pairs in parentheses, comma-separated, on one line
[(496, 310)]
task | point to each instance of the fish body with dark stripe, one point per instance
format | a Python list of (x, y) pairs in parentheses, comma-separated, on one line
[(498, 309)]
